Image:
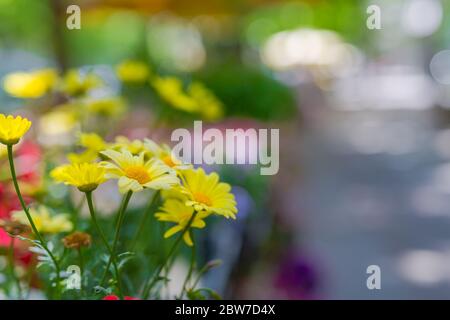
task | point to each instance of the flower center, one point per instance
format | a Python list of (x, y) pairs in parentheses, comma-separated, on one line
[(168, 161), (138, 173), (202, 198)]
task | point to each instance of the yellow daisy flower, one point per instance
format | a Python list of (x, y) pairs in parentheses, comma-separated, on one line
[(164, 153), (83, 157), (76, 84), (132, 71), (30, 84), (196, 98), (135, 174), (44, 221), (210, 107), (176, 211), (92, 141), (205, 192), (174, 194), (106, 107), (170, 89), (135, 146), (85, 176), (93, 144), (12, 129), (61, 121)]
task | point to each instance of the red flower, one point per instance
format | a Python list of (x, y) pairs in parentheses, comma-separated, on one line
[(27, 157), (4, 239), (113, 297), (8, 200)]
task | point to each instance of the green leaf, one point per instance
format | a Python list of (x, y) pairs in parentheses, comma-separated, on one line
[(198, 294), (123, 258), (195, 295)]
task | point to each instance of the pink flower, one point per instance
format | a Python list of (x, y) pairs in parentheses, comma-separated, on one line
[(4, 239)]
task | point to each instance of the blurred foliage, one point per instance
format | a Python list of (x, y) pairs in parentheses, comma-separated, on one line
[(249, 92), (107, 37), (346, 17), (444, 31), (21, 25)]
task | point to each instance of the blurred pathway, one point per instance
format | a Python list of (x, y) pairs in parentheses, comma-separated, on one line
[(376, 190)]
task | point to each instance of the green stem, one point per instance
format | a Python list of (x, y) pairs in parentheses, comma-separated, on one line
[(120, 218), (81, 262), (29, 278), (151, 282), (191, 269), (142, 223), (202, 271), (30, 219), (11, 268), (80, 259), (105, 242)]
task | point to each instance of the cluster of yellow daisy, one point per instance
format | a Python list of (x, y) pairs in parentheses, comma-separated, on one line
[(37, 83), (144, 164), (198, 193), (11, 131), (74, 87), (189, 195), (138, 165), (193, 98)]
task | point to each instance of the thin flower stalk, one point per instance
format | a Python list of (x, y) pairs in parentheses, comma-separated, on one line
[(105, 241), (151, 282), (30, 219), (120, 218)]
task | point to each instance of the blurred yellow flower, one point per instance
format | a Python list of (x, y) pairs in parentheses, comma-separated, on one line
[(44, 221), (170, 89), (85, 176), (135, 146), (176, 211), (210, 107), (135, 174), (58, 122), (195, 99), (164, 153), (93, 144), (106, 107), (77, 84), (205, 192), (86, 156), (12, 129), (92, 141), (33, 84), (132, 71)]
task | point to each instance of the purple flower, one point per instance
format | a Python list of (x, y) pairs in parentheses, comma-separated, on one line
[(296, 277)]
